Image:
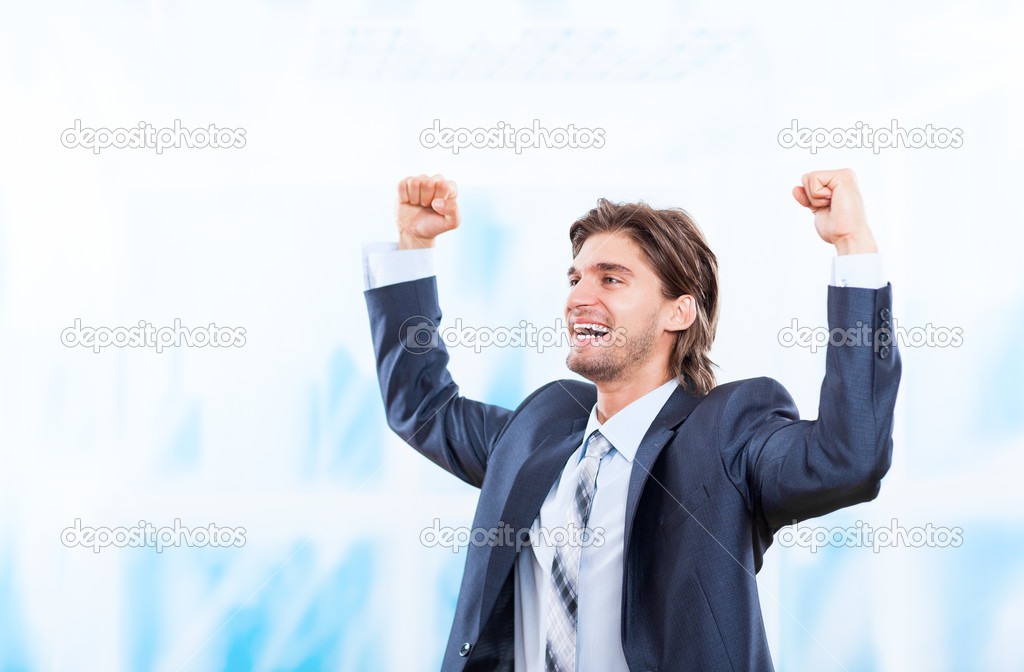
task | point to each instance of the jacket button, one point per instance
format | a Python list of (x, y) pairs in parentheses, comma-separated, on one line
[(464, 651), (883, 351), (884, 313)]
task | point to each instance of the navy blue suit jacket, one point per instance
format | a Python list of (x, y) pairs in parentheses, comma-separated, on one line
[(713, 479)]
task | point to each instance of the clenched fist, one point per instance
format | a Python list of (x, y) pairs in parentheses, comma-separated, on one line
[(426, 208), (834, 198)]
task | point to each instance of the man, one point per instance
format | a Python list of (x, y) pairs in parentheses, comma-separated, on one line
[(684, 482)]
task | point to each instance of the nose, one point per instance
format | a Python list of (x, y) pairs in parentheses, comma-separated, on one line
[(583, 293)]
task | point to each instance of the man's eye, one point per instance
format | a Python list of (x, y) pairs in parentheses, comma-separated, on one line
[(573, 281)]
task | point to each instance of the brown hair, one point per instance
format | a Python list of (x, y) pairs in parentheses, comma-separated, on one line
[(679, 255)]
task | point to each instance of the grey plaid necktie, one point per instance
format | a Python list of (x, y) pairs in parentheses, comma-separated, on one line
[(560, 651)]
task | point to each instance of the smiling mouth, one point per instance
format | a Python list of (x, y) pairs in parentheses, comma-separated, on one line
[(588, 333)]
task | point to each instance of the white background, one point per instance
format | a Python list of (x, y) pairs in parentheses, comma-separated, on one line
[(285, 436)]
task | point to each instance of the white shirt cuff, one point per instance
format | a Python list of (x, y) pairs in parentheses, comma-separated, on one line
[(858, 270), (385, 264)]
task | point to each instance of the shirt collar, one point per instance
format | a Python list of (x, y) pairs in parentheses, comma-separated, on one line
[(626, 429)]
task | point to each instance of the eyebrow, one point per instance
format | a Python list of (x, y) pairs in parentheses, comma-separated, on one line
[(604, 266)]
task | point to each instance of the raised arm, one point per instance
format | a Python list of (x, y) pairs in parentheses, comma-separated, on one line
[(791, 469), (421, 401)]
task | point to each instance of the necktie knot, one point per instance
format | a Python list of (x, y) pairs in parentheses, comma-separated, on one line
[(597, 445)]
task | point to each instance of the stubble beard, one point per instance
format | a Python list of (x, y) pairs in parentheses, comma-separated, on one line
[(614, 362)]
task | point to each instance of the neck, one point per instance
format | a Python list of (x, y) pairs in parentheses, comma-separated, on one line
[(615, 395)]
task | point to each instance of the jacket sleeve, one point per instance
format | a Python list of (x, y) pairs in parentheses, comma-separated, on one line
[(789, 469), (421, 401)]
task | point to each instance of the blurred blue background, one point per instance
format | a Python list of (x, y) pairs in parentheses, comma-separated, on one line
[(285, 436)]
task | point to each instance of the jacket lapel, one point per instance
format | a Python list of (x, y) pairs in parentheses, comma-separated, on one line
[(530, 488), (661, 431)]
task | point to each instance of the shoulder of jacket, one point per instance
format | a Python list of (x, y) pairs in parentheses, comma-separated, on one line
[(745, 387)]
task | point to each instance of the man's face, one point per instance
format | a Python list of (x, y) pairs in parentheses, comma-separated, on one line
[(613, 290)]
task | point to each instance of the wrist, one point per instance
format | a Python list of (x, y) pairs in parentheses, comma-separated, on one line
[(863, 243), (410, 242)]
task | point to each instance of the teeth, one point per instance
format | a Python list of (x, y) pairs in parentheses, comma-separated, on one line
[(580, 326)]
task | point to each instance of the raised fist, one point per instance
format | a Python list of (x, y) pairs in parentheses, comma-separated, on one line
[(426, 208), (834, 198)]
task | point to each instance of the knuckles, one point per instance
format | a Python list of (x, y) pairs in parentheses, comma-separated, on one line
[(425, 186)]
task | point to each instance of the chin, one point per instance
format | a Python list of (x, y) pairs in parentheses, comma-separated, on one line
[(594, 369)]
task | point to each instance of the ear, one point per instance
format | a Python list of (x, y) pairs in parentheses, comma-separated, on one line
[(683, 313)]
